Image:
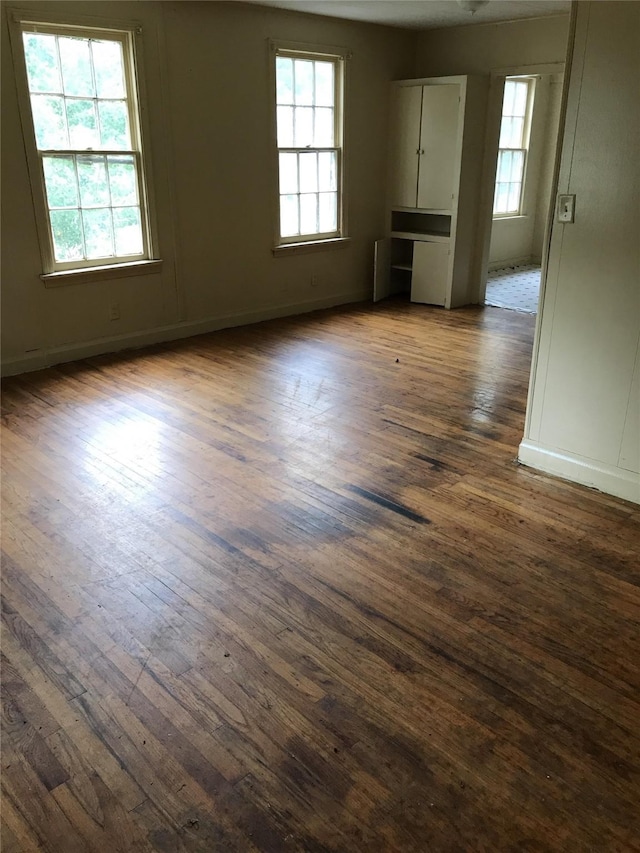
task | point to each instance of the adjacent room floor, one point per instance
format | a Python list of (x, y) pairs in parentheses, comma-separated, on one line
[(516, 288), (284, 588)]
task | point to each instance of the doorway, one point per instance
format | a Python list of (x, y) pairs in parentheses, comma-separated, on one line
[(526, 113)]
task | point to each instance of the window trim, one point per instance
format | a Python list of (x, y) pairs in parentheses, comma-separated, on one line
[(530, 80), (129, 33), (339, 55)]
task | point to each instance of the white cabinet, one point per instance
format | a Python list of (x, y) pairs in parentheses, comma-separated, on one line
[(438, 156), (423, 160), (429, 272), (434, 190), (406, 106), (416, 263)]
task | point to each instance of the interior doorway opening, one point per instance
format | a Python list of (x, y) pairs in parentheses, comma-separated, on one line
[(528, 120)]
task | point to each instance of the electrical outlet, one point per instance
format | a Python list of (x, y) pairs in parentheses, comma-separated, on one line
[(314, 281), (114, 311)]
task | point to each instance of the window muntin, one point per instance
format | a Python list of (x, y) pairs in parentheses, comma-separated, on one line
[(309, 138), (85, 122), (512, 147)]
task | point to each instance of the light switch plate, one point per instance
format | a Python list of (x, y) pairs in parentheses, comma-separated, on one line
[(566, 208)]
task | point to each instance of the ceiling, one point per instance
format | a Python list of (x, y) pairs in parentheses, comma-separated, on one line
[(422, 14)]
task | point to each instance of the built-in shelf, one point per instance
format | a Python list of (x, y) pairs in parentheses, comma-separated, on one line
[(411, 225), (421, 210), (429, 236)]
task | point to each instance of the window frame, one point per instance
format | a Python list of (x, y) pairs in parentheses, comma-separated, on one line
[(129, 34), (526, 139), (319, 53)]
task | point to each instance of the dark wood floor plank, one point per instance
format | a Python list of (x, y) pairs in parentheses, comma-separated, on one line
[(284, 588), (17, 834), (28, 797)]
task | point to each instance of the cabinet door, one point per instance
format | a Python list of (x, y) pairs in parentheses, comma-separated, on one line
[(382, 269), (438, 141), (430, 273), (405, 135)]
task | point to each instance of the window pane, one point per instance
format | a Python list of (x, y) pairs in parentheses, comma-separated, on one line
[(83, 127), (309, 214), (92, 177), (41, 53), (520, 99), (75, 60), (128, 230), (98, 234), (108, 68), (303, 134), (284, 80), (517, 166), (323, 136), (49, 121), (505, 134), (517, 131), (122, 180), (285, 127), (513, 204), (504, 166), (67, 235), (327, 171), (289, 216), (328, 212), (60, 180), (324, 84), (501, 198), (308, 172), (509, 97), (303, 81), (114, 124), (288, 173)]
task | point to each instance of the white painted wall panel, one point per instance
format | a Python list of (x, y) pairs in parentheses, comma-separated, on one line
[(583, 378)]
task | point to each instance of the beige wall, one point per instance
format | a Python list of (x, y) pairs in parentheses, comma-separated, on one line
[(205, 70), (483, 48), (583, 413)]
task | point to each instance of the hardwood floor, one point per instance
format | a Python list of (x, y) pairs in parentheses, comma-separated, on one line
[(284, 588)]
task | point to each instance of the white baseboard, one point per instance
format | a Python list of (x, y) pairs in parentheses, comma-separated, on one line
[(39, 359), (511, 262), (606, 478)]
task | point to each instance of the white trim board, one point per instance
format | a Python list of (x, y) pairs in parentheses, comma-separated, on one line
[(525, 261), (598, 475), (47, 357)]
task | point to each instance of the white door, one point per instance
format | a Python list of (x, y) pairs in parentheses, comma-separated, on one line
[(438, 141), (430, 272), (382, 269), (405, 135)]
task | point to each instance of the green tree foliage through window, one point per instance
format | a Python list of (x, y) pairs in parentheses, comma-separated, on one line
[(81, 110)]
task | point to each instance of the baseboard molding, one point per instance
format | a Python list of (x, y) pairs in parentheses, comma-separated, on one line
[(511, 262), (39, 359), (606, 478)]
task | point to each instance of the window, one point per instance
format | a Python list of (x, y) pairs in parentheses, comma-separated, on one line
[(309, 139), (87, 138), (512, 153)]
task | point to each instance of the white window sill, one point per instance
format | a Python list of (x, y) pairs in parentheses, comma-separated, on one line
[(102, 273), (507, 217), (311, 246)]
